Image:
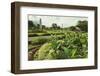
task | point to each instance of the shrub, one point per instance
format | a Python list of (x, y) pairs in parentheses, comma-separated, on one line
[(73, 45)]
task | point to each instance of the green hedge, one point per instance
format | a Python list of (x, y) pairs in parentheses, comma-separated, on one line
[(38, 34), (38, 41)]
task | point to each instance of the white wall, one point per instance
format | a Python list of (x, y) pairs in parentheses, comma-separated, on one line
[(5, 42)]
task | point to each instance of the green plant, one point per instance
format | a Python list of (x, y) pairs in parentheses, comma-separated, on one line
[(70, 45)]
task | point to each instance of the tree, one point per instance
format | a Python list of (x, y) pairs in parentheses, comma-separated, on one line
[(72, 28), (83, 25), (58, 27), (31, 25), (54, 25), (43, 26), (38, 26)]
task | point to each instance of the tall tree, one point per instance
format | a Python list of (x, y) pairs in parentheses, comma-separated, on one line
[(83, 25), (54, 25), (31, 25)]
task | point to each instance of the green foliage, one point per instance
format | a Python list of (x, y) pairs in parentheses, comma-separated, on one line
[(55, 26), (72, 28), (38, 40), (31, 25), (38, 34), (73, 45), (43, 51), (57, 42), (83, 25)]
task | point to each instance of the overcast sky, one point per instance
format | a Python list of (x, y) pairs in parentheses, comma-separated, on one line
[(59, 20)]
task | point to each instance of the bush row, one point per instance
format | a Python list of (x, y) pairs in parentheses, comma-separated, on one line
[(43, 34), (38, 34)]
